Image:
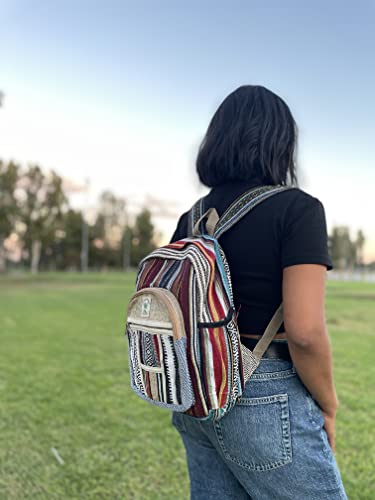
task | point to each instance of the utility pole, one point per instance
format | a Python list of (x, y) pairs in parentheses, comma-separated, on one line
[(85, 232)]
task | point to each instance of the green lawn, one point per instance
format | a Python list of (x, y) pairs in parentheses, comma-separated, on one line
[(64, 385)]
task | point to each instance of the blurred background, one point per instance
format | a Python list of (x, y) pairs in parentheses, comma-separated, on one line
[(103, 105)]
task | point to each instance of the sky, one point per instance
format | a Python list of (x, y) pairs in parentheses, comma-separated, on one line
[(121, 93)]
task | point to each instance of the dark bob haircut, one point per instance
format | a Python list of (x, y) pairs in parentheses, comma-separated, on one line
[(252, 134)]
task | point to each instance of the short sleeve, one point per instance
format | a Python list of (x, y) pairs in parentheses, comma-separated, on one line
[(305, 238), (181, 228)]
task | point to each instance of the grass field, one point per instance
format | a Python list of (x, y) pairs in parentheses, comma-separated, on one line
[(64, 385)]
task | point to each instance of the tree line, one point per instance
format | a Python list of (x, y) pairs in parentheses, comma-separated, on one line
[(347, 252), (40, 230)]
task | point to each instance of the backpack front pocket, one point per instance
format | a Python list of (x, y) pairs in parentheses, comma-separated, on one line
[(157, 350)]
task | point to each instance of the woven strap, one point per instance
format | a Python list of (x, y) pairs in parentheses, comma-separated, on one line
[(195, 214), (240, 207)]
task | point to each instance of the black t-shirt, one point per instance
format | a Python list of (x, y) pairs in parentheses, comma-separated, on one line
[(285, 229)]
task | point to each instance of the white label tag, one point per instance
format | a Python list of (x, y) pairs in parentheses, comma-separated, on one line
[(146, 307)]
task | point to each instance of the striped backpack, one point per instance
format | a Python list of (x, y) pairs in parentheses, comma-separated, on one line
[(184, 345)]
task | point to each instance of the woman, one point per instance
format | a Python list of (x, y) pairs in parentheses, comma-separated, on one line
[(278, 441)]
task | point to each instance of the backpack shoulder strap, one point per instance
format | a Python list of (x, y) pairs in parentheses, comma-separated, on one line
[(242, 205), (238, 209), (195, 214), (262, 344)]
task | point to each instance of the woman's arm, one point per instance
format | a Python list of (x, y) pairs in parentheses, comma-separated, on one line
[(305, 326)]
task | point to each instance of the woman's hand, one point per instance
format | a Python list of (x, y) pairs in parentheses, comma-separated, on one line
[(329, 426)]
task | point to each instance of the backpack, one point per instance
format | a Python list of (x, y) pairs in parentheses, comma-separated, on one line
[(185, 352)]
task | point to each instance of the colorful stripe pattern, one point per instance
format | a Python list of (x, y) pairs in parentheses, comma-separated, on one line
[(196, 272)]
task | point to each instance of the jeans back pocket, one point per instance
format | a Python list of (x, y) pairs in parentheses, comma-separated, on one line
[(256, 433)]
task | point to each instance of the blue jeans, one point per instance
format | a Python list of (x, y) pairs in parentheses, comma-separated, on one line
[(271, 445)]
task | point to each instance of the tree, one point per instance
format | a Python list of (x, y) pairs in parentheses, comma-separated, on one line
[(9, 174), (112, 211), (342, 249), (106, 234), (127, 239), (42, 208), (143, 237), (97, 243), (67, 245), (359, 243)]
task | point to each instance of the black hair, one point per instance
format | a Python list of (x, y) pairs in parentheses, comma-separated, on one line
[(252, 134)]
